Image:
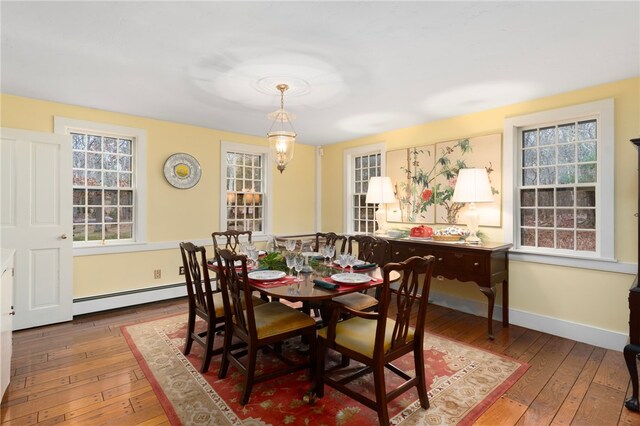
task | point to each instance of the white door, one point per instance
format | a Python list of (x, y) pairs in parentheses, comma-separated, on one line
[(35, 220)]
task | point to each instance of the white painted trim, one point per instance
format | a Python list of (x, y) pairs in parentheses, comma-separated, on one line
[(604, 110), (348, 172), (138, 247), (570, 330), (63, 125), (268, 171), (318, 196), (598, 264), (114, 301)]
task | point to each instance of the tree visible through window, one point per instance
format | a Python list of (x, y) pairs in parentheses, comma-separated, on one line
[(103, 187), (559, 186)]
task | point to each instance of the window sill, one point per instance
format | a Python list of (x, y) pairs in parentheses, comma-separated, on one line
[(598, 264)]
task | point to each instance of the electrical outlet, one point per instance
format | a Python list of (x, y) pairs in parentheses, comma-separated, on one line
[(181, 270), (157, 273)]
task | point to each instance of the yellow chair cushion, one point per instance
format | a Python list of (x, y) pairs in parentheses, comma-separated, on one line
[(357, 301), (276, 318), (358, 334)]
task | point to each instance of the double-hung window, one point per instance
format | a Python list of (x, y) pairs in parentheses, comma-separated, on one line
[(361, 164), (562, 204), (108, 178), (245, 178)]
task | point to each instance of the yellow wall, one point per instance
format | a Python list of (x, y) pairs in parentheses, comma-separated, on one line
[(594, 298), (173, 215)]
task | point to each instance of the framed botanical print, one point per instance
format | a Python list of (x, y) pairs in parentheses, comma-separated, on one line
[(424, 179)]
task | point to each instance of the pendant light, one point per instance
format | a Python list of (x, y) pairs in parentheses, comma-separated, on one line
[(282, 140)]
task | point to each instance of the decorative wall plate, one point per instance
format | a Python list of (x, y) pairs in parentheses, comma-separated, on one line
[(182, 170)]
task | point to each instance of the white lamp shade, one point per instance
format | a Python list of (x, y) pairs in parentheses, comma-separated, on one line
[(380, 190), (473, 186)]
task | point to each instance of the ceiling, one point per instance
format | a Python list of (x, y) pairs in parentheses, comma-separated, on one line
[(354, 68)]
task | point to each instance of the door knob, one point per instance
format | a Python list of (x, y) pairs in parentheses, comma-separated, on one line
[(63, 236)]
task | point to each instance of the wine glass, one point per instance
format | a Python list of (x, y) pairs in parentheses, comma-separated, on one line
[(331, 250), (351, 261), (343, 260), (252, 255), (290, 258), (298, 265), (290, 245)]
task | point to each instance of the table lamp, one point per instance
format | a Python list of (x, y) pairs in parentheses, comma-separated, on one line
[(380, 192), (473, 187)]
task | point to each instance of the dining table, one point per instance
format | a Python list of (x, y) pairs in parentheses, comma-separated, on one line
[(314, 287)]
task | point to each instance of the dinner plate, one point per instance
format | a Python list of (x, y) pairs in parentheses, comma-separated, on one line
[(358, 262), (237, 263), (266, 275), (351, 279)]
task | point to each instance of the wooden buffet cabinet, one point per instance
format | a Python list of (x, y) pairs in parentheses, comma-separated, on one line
[(486, 265)]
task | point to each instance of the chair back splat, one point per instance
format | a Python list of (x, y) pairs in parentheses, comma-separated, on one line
[(238, 303), (370, 249), (231, 239), (331, 239)]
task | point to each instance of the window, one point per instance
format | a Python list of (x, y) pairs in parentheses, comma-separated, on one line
[(108, 177), (563, 178), (245, 187), (361, 165)]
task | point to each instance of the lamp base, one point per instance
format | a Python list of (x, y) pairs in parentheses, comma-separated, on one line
[(381, 220), (473, 239)]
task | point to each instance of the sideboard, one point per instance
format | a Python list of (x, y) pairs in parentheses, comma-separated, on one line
[(485, 264)]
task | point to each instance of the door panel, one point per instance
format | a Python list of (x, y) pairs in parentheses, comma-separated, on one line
[(36, 209)]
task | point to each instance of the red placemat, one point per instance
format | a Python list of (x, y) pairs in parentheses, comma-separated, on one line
[(346, 287), (271, 284)]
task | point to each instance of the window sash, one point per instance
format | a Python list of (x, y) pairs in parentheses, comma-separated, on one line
[(360, 216), (604, 112), (245, 188)]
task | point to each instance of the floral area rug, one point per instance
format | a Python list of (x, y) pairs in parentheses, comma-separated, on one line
[(462, 383)]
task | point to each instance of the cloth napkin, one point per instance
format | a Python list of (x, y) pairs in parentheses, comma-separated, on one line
[(324, 284), (317, 257), (365, 266)]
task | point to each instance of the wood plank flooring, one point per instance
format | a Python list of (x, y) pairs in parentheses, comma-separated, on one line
[(82, 372)]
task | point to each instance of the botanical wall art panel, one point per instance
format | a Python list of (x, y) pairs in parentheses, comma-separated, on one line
[(424, 179)]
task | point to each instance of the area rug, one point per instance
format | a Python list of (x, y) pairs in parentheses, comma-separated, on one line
[(462, 382)]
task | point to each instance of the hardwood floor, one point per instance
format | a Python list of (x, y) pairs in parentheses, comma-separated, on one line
[(82, 372)]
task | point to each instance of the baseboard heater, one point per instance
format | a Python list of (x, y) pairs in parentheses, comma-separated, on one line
[(105, 302)]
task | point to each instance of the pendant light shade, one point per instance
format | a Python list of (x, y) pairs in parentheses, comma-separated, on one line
[(282, 140)]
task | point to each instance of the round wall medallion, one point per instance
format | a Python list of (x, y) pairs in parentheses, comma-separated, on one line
[(182, 170)]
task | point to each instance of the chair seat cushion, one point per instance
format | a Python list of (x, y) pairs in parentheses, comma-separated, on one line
[(358, 334), (217, 302), (276, 318), (357, 301)]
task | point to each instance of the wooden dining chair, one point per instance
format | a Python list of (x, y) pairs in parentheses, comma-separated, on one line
[(376, 340), (258, 326), (370, 250), (229, 239), (203, 302)]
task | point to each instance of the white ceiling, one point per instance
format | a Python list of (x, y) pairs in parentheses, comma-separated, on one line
[(355, 68)]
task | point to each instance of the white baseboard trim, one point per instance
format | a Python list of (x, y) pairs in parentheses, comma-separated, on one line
[(579, 332), (120, 300)]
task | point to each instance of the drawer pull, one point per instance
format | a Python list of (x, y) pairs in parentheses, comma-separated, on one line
[(397, 253), (412, 249), (439, 259), (458, 255), (476, 264), (440, 278)]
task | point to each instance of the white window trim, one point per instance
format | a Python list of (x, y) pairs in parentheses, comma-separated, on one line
[(605, 260), (348, 173), (268, 169), (63, 125)]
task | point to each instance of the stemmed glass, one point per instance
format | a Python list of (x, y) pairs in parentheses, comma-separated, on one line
[(331, 250), (343, 260), (290, 257), (290, 245), (252, 254), (298, 265), (351, 261)]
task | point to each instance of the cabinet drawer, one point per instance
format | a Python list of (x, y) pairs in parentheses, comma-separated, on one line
[(401, 252), (456, 261)]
